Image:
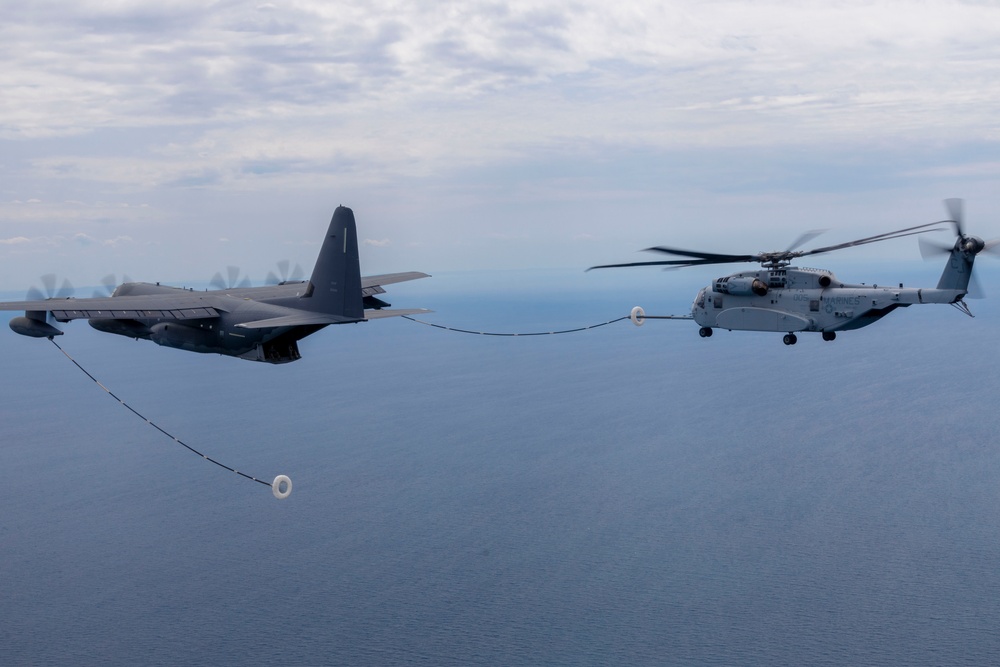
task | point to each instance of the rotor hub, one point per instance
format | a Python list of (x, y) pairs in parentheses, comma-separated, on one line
[(971, 244)]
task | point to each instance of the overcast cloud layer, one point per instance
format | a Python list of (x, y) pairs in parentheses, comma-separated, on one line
[(167, 142)]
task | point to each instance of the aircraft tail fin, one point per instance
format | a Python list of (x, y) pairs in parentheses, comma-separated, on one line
[(335, 285), (962, 255), (958, 270)]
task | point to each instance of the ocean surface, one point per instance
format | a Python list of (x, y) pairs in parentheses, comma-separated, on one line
[(621, 496)]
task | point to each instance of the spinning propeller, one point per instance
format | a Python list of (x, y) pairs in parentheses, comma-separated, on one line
[(233, 273), (52, 291), (769, 260), (283, 276), (49, 280), (110, 282)]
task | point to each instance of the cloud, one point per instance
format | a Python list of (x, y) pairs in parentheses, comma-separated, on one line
[(539, 122), (572, 66), (17, 240), (378, 243), (117, 241)]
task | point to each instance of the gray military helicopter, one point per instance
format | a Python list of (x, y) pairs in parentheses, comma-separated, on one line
[(780, 297), (256, 323)]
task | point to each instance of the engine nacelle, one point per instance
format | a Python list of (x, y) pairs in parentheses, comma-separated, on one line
[(29, 326), (740, 286)]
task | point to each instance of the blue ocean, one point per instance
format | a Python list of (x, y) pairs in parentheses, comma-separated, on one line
[(620, 496)]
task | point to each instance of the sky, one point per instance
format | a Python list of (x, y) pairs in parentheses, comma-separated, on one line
[(169, 141)]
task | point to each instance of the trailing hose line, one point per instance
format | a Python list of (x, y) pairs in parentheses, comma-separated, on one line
[(531, 333), (281, 486), (638, 316)]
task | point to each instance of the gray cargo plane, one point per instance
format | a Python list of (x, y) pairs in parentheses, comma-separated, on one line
[(255, 323)]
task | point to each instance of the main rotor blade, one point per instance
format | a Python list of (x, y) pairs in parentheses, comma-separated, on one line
[(674, 263), (899, 233), (956, 212), (804, 239), (710, 257)]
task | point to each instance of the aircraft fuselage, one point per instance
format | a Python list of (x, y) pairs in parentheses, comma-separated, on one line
[(219, 334), (800, 299)]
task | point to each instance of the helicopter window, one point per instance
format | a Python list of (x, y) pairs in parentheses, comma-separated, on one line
[(717, 301), (814, 305)]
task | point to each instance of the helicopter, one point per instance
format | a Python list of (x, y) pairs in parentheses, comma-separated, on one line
[(780, 297)]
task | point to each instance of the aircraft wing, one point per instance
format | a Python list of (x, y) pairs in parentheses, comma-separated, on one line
[(188, 304), (180, 306)]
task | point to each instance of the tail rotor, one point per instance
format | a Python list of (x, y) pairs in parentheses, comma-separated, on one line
[(958, 273)]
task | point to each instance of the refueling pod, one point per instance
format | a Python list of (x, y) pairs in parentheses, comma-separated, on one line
[(28, 325)]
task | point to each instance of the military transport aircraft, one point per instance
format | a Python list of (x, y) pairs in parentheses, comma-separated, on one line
[(255, 323), (783, 298)]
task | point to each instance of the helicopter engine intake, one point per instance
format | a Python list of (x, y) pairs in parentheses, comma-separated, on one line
[(739, 286)]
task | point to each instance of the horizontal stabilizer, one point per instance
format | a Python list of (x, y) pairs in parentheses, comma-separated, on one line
[(303, 318), (391, 278), (398, 312)]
